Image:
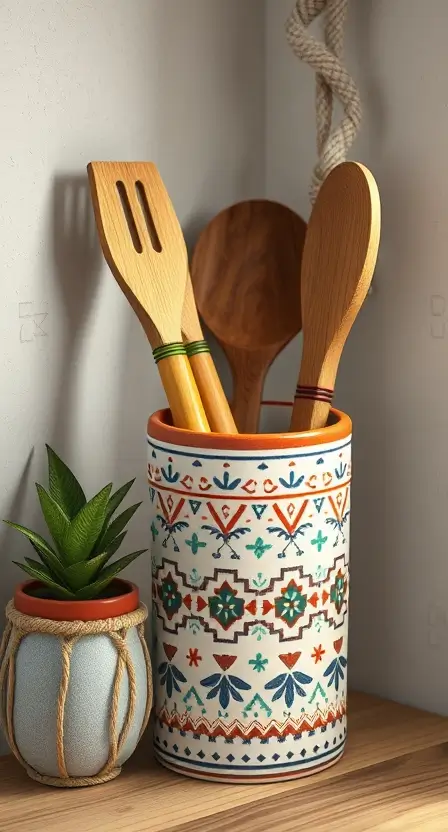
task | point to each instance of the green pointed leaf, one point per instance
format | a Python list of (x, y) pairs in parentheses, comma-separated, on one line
[(35, 564), (64, 487), (55, 518), (81, 574), (50, 561), (113, 547), (85, 528), (117, 526), (117, 498), (38, 575), (106, 576), (36, 539)]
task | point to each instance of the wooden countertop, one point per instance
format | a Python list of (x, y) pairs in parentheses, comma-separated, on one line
[(392, 778)]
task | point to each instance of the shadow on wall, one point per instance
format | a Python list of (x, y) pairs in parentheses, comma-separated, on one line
[(207, 147), (77, 261)]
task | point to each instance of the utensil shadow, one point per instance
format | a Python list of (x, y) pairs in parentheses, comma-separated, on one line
[(77, 262)]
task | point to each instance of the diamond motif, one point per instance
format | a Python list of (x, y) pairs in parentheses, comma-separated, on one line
[(201, 755), (290, 605), (187, 752), (290, 754), (303, 752), (245, 759), (316, 749), (230, 758), (215, 756), (276, 757), (225, 607), (260, 758), (175, 748)]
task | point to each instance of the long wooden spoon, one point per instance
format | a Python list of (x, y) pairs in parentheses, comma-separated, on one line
[(338, 261), (145, 250), (245, 272)]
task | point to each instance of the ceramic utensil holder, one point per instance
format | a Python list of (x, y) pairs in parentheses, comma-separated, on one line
[(250, 545)]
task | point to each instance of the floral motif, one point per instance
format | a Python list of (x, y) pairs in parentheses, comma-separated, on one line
[(290, 605), (225, 607), (335, 671), (259, 548), (317, 654), (259, 630), (338, 590), (225, 483), (290, 537), (225, 687), (193, 657), (225, 536), (170, 596), (195, 544), (171, 529), (258, 663), (319, 541), (288, 685), (170, 676)]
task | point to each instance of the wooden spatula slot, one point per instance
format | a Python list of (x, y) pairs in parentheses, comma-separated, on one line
[(146, 211), (129, 216)]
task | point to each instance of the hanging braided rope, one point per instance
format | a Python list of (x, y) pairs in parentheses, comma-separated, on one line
[(332, 79)]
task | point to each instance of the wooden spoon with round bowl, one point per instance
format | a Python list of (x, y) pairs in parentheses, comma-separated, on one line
[(245, 271), (339, 258)]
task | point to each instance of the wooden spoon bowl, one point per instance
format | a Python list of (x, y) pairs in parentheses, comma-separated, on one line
[(246, 276)]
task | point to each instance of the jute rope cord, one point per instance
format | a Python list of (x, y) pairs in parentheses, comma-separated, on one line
[(20, 625), (332, 79)]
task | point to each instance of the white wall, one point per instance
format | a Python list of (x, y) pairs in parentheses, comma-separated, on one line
[(393, 376), (177, 82), (220, 105)]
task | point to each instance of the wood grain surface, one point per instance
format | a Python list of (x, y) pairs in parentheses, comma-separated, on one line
[(245, 271), (392, 778), (144, 247), (339, 257)]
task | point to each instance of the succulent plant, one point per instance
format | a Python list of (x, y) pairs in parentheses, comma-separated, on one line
[(85, 536)]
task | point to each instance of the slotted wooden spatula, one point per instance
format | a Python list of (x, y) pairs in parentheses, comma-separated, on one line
[(338, 261), (144, 247)]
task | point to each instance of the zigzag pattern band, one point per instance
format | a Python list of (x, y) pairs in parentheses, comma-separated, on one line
[(168, 350), (318, 394), (196, 347)]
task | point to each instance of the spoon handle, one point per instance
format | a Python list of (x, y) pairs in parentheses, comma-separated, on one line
[(181, 389), (249, 373), (210, 389), (311, 408)]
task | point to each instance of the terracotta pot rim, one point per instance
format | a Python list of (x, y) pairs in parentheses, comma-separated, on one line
[(160, 428), (95, 610)]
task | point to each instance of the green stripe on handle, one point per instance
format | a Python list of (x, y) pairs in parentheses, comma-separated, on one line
[(168, 350), (196, 347)]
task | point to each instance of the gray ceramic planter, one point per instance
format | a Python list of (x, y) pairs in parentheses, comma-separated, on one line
[(76, 695)]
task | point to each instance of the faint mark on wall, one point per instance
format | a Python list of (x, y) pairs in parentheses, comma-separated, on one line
[(32, 317), (438, 316)]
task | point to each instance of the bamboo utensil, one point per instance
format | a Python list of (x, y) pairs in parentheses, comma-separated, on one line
[(339, 257), (144, 247), (209, 385), (245, 272)]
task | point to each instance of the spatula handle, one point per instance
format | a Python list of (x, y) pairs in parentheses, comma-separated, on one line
[(210, 388), (181, 389), (311, 408)]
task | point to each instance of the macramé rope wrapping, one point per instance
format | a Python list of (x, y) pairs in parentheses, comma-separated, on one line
[(332, 78), (18, 626)]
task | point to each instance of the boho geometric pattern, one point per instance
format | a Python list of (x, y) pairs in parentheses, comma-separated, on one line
[(228, 606), (250, 598)]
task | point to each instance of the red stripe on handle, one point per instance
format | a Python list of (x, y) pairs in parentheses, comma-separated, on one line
[(318, 394)]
